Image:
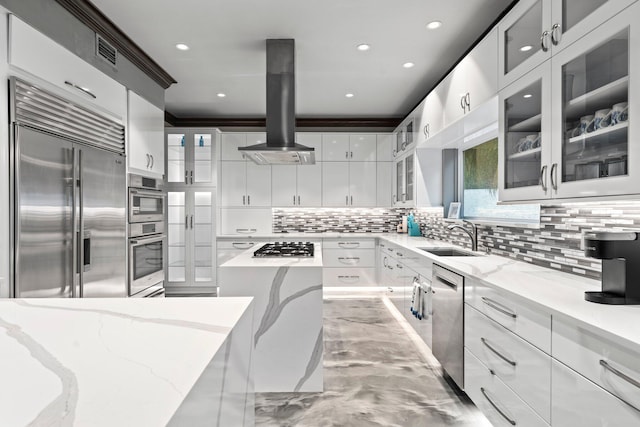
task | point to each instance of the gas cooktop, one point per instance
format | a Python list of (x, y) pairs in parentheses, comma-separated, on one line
[(285, 249)]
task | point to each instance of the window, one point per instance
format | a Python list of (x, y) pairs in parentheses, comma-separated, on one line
[(480, 188)]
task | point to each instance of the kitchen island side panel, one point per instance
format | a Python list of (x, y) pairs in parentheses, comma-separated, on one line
[(287, 324)]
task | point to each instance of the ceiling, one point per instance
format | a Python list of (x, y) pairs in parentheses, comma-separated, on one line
[(227, 50)]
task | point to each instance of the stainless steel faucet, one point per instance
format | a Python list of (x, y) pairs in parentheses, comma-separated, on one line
[(473, 234)]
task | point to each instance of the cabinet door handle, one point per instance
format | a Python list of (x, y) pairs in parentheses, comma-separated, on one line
[(512, 422), (186, 176), (351, 200), (556, 34), (462, 103), (186, 222), (148, 160), (467, 101), (153, 161), (543, 41), (244, 199), (191, 176), (346, 200), (346, 154), (496, 352), (499, 307), (395, 153), (192, 222), (81, 89), (384, 262), (248, 199), (298, 200), (399, 266), (622, 375), (554, 176), (426, 130), (395, 198), (351, 154), (294, 199), (541, 181)]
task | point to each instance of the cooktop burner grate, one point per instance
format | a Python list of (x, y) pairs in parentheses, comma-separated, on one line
[(285, 249)]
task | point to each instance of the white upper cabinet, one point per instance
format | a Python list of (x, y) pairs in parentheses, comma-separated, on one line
[(229, 144), (536, 29), (72, 77), (335, 147), (431, 116), (192, 156), (362, 147), (384, 151), (145, 137), (313, 140), (350, 184), (565, 127), (362, 184), (245, 184), (296, 185), (284, 189), (473, 81), (335, 184)]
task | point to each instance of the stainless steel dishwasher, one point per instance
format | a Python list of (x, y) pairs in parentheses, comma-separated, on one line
[(448, 322)]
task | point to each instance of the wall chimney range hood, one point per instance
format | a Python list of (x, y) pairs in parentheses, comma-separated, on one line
[(280, 148)]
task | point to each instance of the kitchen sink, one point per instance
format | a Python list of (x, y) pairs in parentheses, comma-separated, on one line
[(448, 252)]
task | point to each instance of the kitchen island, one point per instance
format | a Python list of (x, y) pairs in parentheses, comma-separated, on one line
[(116, 362), (287, 322)]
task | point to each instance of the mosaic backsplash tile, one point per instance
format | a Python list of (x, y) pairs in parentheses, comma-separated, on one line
[(555, 244)]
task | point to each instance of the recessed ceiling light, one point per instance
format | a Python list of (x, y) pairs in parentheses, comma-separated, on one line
[(528, 95), (434, 24), (408, 64), (182, 46), (222, 95), (363, 47), (349, 95), (526, 48)]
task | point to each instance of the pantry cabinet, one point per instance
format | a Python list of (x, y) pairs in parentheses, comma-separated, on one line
[(145, 133), (534, 30), (565, 128)]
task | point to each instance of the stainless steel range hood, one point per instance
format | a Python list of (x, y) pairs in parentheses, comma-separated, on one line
[(280, 148)]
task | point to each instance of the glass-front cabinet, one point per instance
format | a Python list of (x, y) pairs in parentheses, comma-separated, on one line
[(536, 29), (404, 180), (191, 238), (191, 156), (566, 130)]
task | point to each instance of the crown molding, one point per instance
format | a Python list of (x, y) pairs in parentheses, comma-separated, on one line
[(91, 16)]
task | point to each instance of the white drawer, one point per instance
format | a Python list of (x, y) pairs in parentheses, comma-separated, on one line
[(600, 358), (348, 276), (389, 249), (349, 257), (496, 401), (35, 53), (579, 402), (521, 366), (529, 324), (349, 243)]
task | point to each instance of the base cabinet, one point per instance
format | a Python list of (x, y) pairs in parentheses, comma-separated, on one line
[(579, 402)]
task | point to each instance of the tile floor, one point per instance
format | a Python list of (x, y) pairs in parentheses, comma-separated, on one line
[(377, 372)]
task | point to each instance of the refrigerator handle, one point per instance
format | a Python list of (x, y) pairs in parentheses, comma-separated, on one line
[(74, 219), (80, 234), (86, 250)]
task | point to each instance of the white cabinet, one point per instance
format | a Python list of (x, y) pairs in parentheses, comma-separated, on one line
[(348, 147), (145, 142), (473, 81), (384, 184), (534, 30), (565, 128), (405, 135), (245, 184), (237, 221), (349, 262), (579, 402), (384, 150), (192, 156), (296, 185), (404, 180), (191, 239), (72, 77), (431, 115), (349, 184)]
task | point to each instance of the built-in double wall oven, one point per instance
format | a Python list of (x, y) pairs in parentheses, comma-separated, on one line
[(147, 236)]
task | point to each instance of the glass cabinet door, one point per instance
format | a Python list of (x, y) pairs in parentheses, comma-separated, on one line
[(203, 158), (595, 113), (409, 177), (176, 166), (574, 11), (522, 37), (176, 237), (203, 235), (399, 181)]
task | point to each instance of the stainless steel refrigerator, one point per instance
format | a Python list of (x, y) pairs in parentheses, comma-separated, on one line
[(68, 197)]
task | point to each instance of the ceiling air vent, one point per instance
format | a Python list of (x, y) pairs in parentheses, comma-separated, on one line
[(105, 51)]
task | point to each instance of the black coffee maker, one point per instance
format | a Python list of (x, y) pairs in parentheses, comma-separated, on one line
[(620, 255)]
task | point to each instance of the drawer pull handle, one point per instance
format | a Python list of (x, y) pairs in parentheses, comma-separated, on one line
[(348, 244), (497, 353), (622, 375), (245, 230), (399, 254), (242, 245), (499, 307), (349, 279), (486, 395), (349, 260)]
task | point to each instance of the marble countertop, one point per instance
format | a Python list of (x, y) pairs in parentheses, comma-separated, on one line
[(300, 236), (107, 361), (558, 293), (246, 259)]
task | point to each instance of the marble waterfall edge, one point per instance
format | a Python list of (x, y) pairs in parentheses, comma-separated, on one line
[(287, 320)]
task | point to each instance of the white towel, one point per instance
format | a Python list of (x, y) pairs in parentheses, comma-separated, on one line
[(421, 305), (414, 299)]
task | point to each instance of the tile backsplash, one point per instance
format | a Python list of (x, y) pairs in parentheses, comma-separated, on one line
[(554, 244)]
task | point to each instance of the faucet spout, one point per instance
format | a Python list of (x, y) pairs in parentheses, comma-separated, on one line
[(473, 234)]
